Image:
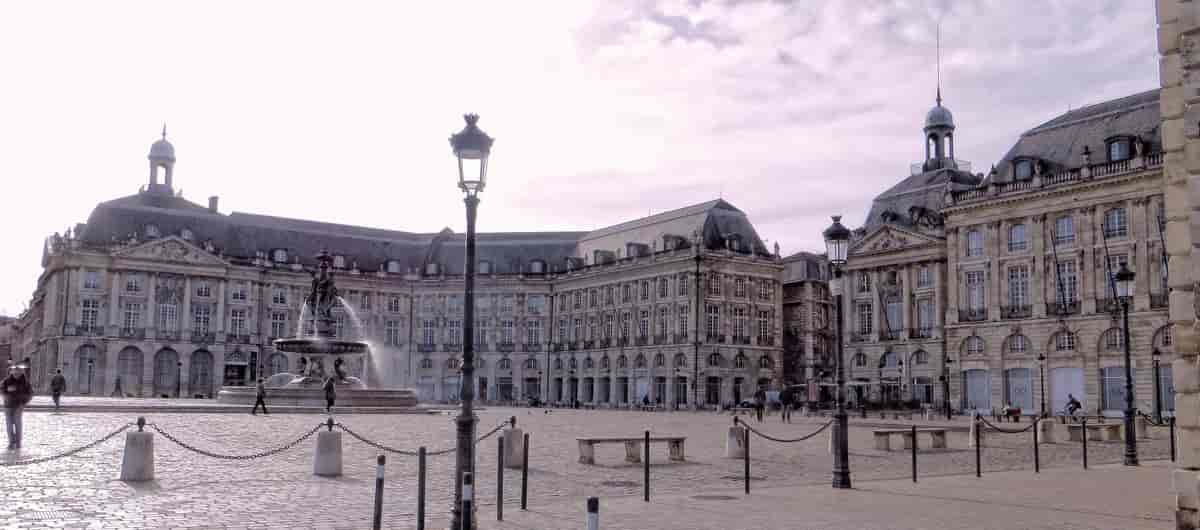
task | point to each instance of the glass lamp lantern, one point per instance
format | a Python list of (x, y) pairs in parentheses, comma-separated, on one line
[(1124, 279), (837, 242), (471, 147)]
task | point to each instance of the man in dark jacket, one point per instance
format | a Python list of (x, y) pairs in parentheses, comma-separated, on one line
[(17, 392), (58, 385), (330, 394), (260, 398)]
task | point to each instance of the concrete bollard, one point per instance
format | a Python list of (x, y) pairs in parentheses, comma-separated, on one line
[(733, 442), (514, 448), (1046, 428), (137, 464), (327, 462)]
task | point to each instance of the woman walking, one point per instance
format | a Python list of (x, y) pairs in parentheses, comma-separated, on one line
[(330, 394)]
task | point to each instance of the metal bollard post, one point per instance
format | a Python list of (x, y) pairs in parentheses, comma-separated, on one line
[(646, 468), (1172, 438), (746, 459), (468, 498), (378, 521), (1037, 459), (1085, 437), (500, 479), (525, 474), (914, 453), (593, 513), (978, 455), (421, 488)]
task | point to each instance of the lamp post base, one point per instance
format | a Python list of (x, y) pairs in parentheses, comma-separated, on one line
[(841, 451)]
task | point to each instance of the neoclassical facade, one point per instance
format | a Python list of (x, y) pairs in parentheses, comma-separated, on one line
[(157, 296), (808, 333)]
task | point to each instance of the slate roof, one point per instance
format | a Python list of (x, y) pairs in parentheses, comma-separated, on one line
[(924, 190), (803, 266), (1059, 142), (242, 235)]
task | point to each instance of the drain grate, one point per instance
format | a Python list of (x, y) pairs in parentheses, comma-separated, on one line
[(620, 483), (50, 515), (714, 497)]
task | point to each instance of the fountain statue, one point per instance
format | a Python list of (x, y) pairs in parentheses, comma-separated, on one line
[(322, 356)]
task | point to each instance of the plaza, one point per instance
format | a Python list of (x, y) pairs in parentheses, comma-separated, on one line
[(787, 480)]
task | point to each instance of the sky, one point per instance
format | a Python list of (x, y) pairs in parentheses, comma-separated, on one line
[(602, 111)]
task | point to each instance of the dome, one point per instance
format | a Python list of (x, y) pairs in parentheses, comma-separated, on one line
[(162, 150), (939, 116)]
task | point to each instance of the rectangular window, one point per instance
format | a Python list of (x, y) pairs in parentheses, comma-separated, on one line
[(1018, 286), (279, 324), (645, 290), (1068, 282), (1016, 238), (91, 280), (454, 304), (1113, 264), (924, 278), (975, 290), (894, 313), (391, 332), (663, 322), (683, 284), (739, 287), (1116, 223), (712, 314), (626, 294), (506, 303), (364, 301), (535, 304), (133, 283), (455, 332), (764, 326), (925, 315), (643, 324), (89, 315), (608, 295), (625, 325), (766, 290), (533, 332), (1112, 388), (279, 297), (201, 319), (239, 293), (864, 282), (664, 288), (682, 324), (577, 330), (593, 331), (203, 289), (1064, 230), (562, 330), (593, 298), (974, 243), (714, 284), (428, 331), (168, 317), (506, 331), (133, 316), (608, 326), (237, 321), (865, 317), (578, 300), (481, 331)]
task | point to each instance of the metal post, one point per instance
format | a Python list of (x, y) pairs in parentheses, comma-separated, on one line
[(468, 496), (841, 450), (525, 474), (746, 458), (421, 488), (978, 443), (1084, 436), (1172, 438), (646, 468), (464, 461), (593, 513), (500, 478), (914, 453), (1037, 458), (1131, 456), (1042, 384), (1157, 394), (378, 521)]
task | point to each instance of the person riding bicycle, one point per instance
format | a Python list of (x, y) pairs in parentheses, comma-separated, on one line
[(1073, 405)]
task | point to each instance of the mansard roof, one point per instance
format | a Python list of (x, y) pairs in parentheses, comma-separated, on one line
[(713, 221), (1059, 142), (915, 201)]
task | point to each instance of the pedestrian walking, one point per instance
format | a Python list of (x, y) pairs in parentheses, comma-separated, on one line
[(760, 403), (785, 413), (58, 385), (330, 394), (260, 398), (17, 392)]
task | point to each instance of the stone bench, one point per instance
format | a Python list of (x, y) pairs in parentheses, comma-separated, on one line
[(1098, 431), (633, 447), (883, 438)]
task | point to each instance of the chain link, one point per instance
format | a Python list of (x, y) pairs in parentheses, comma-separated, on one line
[(68, 453), (383, 447), (785, 440), (268, 452), (1007, 431), (1150, 420)]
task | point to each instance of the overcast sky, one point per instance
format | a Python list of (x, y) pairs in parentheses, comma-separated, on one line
[(602, 111)]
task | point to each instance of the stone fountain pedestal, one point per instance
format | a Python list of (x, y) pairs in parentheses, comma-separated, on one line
[(315, 397)]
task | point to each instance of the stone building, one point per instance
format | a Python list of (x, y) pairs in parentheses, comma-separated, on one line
[(155, 295), (808, 331)]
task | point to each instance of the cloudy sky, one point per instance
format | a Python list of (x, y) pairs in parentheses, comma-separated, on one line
[(603, 111)]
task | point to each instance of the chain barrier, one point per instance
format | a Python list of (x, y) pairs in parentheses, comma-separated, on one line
[(787, 440), (383, 447), (67, 453), (262, 454), (1007, 431), (1150, 419)]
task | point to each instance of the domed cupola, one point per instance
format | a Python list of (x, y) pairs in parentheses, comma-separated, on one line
[(162, 155), (939, 117), (939, 137)]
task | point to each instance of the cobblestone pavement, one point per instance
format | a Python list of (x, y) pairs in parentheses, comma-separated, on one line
[(193, 491)]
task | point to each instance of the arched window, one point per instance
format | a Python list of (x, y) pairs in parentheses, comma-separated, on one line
[(639, 361), (280, 255), (622, 361), (1064, 341), (920, 357), (339, 261), (604, 363), (714, 359), (739, 361), (504, 364), (152, 231), (452, 363), (888, 360), (1112, 340), (558, 364), (1119, 149), (537, 266), (426, 363), (660, 360), (573, 364), (588, 364), (860, 360), (973, 345), (187, 235), (680, 360), (765, 362), (531, 363), (1016, 344), (393, 266)]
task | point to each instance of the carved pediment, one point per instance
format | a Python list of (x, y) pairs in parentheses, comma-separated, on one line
[(889, 238), (171, 249)]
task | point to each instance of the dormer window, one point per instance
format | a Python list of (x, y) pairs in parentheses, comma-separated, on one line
[(152, 231), (431, 269), (339, 261), (1023, 169), (537, 266), (485, 267), (280, 255), (187, 235), (393, 266), (1120, 149)]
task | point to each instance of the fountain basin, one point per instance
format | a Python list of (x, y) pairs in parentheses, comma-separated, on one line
[(315, 397)]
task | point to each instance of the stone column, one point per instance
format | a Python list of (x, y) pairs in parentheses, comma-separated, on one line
[(906, 298), (1039, 275), (185, 312), (951, 278), (876, 309), (1088, 283), (1138, 255), (994, 276), (114, 301), (937, 269), (219, 317), (149, 321), (184, 374)]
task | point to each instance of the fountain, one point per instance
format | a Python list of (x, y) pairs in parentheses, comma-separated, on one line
[(323, 356)]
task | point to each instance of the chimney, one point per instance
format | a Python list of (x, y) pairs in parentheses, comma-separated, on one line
[(212, 204)]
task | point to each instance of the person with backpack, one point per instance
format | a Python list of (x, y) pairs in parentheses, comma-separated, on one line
[(1073, 405), (17, 393)]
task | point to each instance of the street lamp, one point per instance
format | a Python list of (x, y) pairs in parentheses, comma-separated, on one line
[(1041, 359), (837, 242), (91, 364), (178, 377), (945, 379), (1124, 281), (471, 147), (1155, 356)]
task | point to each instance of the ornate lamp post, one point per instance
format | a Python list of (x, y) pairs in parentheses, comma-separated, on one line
[(471, 147), (1124, 280), (178, 377), (91, 366), (1041, 359), (837, 243), (1156, 356), (945, 379)]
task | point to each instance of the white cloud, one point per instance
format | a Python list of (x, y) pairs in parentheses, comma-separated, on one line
[(793, 111)]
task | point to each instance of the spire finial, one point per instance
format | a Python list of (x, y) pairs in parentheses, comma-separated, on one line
[(164, 130), (939, 63)]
